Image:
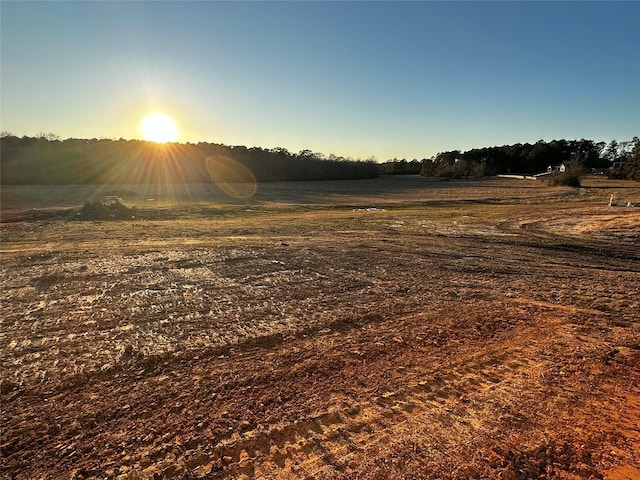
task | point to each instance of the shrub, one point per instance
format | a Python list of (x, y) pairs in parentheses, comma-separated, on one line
[(566, 179), (570, 177)]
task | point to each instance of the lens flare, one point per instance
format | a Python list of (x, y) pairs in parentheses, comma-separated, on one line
[(232, 177)]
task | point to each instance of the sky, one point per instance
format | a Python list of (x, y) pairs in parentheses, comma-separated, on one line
[(358, 79)]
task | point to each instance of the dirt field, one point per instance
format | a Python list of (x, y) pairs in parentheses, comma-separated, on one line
[(377, 329)]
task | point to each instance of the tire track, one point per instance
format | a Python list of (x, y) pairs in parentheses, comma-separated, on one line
[(331, 439)]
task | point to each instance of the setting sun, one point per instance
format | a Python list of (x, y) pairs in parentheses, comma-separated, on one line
[(157, 127)]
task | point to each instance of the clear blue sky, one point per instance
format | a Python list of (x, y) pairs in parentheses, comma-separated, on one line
[(359, 79)]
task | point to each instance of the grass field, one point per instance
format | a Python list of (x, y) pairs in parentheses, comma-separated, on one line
[(399, 327)]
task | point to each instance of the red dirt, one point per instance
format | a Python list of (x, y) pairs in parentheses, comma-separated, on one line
[(327, 344)]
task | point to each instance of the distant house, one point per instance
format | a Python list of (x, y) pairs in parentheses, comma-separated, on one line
[(557, 168)]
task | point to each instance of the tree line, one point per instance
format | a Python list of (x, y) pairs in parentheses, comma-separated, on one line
[(621, 160), (45, 159)]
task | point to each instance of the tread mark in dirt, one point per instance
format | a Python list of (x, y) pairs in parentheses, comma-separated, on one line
[(331, 437)]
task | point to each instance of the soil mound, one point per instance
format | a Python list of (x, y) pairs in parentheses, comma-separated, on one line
[(99, 210)]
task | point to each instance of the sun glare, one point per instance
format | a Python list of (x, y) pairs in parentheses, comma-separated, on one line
[(157, 127)]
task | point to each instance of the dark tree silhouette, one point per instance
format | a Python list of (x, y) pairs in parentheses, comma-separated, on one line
[(48, 160), (518, 158)]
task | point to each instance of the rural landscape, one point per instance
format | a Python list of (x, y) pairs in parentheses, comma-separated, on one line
[(319, 240), (399, 327)]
